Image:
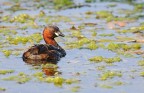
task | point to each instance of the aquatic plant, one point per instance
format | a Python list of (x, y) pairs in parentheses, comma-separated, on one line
[(77, 34), (20, 78), (2, 89), (104, 35), (96, 59), (21, 18), (141, 63), (125, 47), (103, 14), (118, 83), (105, 86), (75, 88), (59, 4), (7, 53), (113, 46), (6, 71), (107, 60), (35, 38), (142, 74), (79, 43), (92, 45), (110, 74), (132, 29), (112, 60), (139, 7), (59, 81)]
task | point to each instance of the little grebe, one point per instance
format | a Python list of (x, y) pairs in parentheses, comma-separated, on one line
[(49, 51)]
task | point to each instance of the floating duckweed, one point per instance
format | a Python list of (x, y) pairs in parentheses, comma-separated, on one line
[(6, 71), (7, 53), (118, 83), (142, 74), (92, 45), (79, 43), (38, 74), (100, 67), (83, 41), (5, 18), (101, 45), (2, 89), (77, 34), (105, 40), (70, 81), (22, 18), (23, 80), (40, 78), (24, 27), (88, 12), (32, 24), (104, 35), (136, 46), (49, 80), (11, 78), (58, 80), (51, 19), (41, 13), (106, 86), (96, 59), (94, 33), (75, 89), (107, 60), (89, 1), (20, 78), (110, 75), (112, 46), (125, 47), (8, 32), (62, 3), (112, 5), (141, 63), (103, 14), (139, 7), (132, 29), (36, 37), (112, 60)]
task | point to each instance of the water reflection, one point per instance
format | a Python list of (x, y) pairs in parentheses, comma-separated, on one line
[(39, 62), (49, 68)]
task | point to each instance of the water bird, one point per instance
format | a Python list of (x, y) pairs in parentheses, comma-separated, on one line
[(51, 51)]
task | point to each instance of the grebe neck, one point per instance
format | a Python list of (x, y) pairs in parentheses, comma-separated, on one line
[(50, 41)]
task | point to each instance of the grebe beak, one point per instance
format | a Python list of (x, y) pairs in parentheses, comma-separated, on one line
[(59, 34)]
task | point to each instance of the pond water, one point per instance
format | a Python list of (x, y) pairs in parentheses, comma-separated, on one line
[(103, 41)]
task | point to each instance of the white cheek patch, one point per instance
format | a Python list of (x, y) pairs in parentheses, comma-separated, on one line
[(56, 34)]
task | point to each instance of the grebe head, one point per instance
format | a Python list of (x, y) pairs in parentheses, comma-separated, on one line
[(52, 31)]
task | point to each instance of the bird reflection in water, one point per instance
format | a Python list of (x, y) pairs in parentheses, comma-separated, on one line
[(49, 68)]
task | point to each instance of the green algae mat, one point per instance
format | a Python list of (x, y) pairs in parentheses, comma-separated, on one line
[(103, 40)]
